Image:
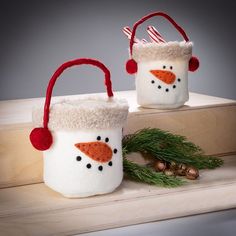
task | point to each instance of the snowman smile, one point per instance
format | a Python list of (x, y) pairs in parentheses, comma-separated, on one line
[(98, 151)]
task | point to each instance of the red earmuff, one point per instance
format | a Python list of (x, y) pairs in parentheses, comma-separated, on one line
[(131, 64), (41, 138), (193, 64)]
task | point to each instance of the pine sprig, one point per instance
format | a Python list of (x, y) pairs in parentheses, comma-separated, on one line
[(147, 175), (168, 147)]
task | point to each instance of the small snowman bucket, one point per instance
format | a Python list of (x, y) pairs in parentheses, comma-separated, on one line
[(81, 139), (161, 67)]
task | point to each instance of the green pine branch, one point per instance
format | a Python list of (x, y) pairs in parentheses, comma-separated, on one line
[(168, 147)]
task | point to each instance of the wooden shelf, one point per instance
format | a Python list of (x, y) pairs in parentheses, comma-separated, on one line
[(209, 122), (37, 210), (18, 112)]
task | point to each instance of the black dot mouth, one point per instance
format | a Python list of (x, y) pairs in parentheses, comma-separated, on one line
[(78, 158), (167, 89), (178, 79), (88, 165), (100, 168), (115, 151)]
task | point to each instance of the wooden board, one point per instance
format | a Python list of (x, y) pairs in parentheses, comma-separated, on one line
[(210, 122), (18, 112), (37, 210)]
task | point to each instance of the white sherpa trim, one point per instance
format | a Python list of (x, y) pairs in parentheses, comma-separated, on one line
[(84, 113), (143, 52)]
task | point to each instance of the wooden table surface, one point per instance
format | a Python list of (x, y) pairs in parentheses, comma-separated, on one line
[(37, 210)]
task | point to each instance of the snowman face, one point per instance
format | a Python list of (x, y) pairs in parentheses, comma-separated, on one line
[(84, 162), (99, 152), (162, 83)]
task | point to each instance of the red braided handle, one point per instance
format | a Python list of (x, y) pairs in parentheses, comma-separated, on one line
[(60, 70), (142, 20)]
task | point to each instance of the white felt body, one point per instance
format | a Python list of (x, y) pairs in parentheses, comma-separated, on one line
[(64, 174), (148, 93)]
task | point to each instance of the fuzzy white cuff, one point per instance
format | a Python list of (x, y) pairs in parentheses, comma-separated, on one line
[(84, 113), (143, 52)]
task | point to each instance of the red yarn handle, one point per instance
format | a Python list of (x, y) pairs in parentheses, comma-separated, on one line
[(60, 70), (142, 20)]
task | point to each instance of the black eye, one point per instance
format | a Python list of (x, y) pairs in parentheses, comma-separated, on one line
[(78, 158), (171, 67), (153, 81), (164, 67), (179, 79), (98, 138), (106, 140), (115, 150)]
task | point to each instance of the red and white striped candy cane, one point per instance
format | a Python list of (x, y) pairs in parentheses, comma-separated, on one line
[(154, 35), (127, 31)]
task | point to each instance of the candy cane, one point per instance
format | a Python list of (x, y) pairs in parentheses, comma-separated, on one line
[(154, 35), (127, 31)]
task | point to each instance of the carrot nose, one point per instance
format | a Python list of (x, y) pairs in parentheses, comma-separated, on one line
[(97, 151), (167, 77)]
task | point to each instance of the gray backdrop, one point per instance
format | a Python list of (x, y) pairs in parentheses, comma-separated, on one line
[(37, 36)]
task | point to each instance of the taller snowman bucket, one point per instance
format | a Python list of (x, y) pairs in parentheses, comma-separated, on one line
[(161, 68), (81, 139)]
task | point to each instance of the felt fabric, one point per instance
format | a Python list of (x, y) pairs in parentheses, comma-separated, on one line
[(193, 64), (131, 66), (162, 68), (81, 139), (162, 51), (41, 138), (165, 51), (62, 68), (159, 93), (84, 113), (149, 16), (71, 172), (98, 151), (164, 75)]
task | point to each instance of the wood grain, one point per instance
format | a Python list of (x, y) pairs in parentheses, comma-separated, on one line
[(212, 128), (208, 121), (37, 210)]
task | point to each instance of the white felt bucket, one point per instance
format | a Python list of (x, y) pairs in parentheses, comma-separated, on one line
[(161, 69), (81, 140)]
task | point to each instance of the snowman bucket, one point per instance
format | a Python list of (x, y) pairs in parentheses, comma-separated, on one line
[(161, 68), (81, 139)]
